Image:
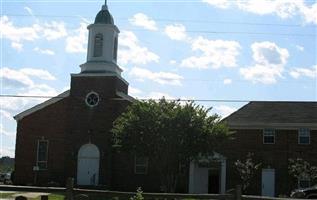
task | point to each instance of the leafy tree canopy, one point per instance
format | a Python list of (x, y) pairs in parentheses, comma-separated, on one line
[(169, 133), (301, 169)]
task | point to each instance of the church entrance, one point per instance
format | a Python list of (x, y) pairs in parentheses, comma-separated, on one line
[(88, 165), (208, 175), (214, 181)]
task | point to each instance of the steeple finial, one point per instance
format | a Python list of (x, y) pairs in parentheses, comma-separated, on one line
[(105, 7)]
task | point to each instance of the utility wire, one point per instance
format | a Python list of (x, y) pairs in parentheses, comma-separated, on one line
[(214, 32), (168, 20), (146, 99)]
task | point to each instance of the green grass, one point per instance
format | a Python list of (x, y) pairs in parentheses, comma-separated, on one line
[(53, 196), (4, 195)]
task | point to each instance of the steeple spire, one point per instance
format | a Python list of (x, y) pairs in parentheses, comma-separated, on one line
[(105, 7)]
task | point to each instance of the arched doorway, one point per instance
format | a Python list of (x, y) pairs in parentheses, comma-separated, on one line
[(88, 165)]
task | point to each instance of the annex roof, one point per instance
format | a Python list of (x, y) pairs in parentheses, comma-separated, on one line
[(274, 114)]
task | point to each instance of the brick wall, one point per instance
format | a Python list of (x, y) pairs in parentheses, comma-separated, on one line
[(270, 155)]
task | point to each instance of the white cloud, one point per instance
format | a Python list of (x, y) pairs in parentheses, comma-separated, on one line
[(44, 51), (39, 73), (53, 30), (17, 35), (224, 110), (304, 72), (5, 115), (176, 32), (40, 90), (11, 77), (16, 105), (300, 48), (134, 91), (5, 132), (227, 81), (77, 43), (214, 54), (172, 62), (144, 21), (283, 9), (17, 46), (7, 151), (130, 50), (218, 3), (164, 78), (270, 61), (158, 95), (23, 84), (22, 77)]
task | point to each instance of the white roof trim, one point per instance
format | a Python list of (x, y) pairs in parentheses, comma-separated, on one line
[(41, 105), (125, 96)]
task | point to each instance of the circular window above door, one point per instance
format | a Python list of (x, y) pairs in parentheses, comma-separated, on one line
[(92, 99)]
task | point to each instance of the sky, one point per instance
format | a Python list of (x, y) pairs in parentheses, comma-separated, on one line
[(262, 50)]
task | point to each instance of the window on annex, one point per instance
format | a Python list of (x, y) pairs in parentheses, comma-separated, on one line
[(268, 136), (42, 154), (98, 45), (303, 136), (140, 164)]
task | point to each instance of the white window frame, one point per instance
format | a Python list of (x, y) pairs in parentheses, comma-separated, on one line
[(87, 96), (145, 165), (303, 132), (268, 132), (37, 154)]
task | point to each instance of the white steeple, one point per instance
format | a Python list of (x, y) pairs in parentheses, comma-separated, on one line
[(102, 45)]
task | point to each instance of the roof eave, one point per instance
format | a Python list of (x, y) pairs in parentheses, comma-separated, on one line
[(41, 105)]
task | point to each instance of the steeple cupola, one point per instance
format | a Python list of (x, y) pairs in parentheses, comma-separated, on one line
[(102, 45)]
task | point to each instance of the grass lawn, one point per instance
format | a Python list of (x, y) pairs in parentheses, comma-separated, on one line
[(6, 195), (53, 196)]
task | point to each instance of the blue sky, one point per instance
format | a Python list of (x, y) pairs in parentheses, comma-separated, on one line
[(202, 49)]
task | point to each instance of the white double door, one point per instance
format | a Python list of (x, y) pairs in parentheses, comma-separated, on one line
[(88, 165)]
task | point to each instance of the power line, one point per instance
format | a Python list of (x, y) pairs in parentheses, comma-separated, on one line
[(146, 99), (170, 20), (215, 32)]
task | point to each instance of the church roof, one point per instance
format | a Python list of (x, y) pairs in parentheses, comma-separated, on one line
[(41, 105), (274, 113), (104, 17)]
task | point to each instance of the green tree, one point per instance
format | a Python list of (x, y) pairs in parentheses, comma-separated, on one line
[(247, 170), (170, 134), (301, 169)]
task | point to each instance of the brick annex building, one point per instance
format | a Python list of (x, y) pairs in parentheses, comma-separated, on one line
[(69, 136)]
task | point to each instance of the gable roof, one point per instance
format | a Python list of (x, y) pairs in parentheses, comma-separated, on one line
[(274, 114), (41, 105)]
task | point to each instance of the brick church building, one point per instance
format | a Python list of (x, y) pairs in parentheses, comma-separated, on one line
[(69, 135)]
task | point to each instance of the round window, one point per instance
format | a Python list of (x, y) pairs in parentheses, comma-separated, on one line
[(92, 99)]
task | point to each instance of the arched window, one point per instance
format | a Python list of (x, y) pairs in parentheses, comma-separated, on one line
[(115, 48), (98, 45)]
